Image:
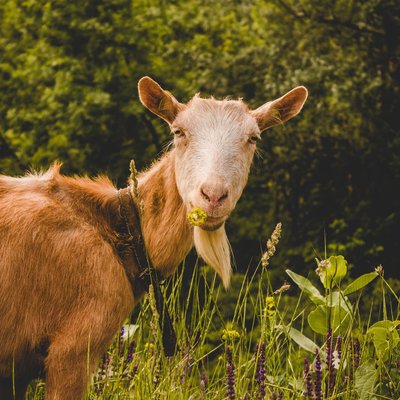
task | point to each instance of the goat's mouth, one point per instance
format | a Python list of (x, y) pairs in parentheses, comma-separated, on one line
[(213, 223), (198, 217)]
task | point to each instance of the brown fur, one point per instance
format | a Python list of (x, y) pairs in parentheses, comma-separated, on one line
[(63, 290)]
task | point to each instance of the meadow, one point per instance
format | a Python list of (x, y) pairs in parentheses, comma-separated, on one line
[(327, 337)]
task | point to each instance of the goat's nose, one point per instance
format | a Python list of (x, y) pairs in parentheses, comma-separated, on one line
[(215, 195)]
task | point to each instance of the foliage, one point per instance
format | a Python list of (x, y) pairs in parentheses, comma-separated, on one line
[(68, 72)]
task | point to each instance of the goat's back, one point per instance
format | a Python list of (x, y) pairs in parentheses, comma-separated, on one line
[(56, 260)]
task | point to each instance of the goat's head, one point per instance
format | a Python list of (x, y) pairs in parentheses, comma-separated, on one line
[(214, 144)]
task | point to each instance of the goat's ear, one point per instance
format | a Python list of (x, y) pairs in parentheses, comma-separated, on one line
[(282, 109), (157, 100)]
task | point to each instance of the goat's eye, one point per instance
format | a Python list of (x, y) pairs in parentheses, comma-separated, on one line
[(178, 133), (254, 139)]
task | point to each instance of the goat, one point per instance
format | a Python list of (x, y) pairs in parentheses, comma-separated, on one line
[(63, 286)]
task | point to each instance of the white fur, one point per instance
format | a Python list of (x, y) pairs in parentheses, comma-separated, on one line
[(213, 247)]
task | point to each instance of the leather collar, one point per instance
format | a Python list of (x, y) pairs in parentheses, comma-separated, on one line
[(138, 267)]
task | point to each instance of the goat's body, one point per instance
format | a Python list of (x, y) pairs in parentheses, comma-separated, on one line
[(62, 283)]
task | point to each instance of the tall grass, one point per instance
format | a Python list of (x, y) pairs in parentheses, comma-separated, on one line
[(260, 344)]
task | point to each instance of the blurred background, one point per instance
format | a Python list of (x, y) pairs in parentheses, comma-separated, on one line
[(68, 78)]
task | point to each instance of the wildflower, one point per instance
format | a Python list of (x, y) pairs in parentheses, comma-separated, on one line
[(308, 380), (187, 366), (270, 306), (329, 362), (134, 370), (197, 217), (284, 288), (203, 380), (272, 242), (331, 270), (379, 270), (230, 334), (102, 373), (261, 372), (131, 349), (230, 374), (128, 360), (149, 346), (337, 354), (357, 353), (318, 376), (127, 331)]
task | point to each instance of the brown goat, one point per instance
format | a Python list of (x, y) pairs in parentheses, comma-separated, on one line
[(64, 291)]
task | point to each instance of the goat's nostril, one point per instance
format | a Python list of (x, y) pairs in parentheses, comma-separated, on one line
[(223, 197), (204, 194)]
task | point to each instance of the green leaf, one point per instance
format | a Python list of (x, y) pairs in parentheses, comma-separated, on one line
[(306, 286), (302, 340), (385, 337), (360, 282), (319, 318), (365, 378)]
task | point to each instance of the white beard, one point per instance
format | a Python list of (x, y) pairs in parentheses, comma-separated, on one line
[(214, 248)]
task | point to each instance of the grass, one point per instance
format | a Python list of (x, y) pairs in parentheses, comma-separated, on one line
[(260, 341)]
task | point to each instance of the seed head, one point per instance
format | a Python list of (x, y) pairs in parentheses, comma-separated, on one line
[(272, 242)]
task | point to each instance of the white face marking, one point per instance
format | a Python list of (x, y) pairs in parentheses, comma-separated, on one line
[(214, 147)]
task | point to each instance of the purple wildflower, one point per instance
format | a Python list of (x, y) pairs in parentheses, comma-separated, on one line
[(131, 350), (307, 377), (339, 347), (318, 376), (230, 373), (261, 372), (273, 396), (357, 353), (203, 380), (280, 395), (121, 342), (102, 374), (129, 357), (329, 362)]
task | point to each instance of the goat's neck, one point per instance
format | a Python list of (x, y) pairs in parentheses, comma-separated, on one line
[(167, 233)]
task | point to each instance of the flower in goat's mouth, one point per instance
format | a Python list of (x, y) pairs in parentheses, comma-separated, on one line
[(197, 217)]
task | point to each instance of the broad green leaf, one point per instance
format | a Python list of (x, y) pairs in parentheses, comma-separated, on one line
[(385, 337), (388, 324), (302, 340), (381, 341), (365, 378), (307, 287), (360, 282), (318, 319)]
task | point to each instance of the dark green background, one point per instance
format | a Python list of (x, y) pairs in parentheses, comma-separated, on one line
[(68, 75)]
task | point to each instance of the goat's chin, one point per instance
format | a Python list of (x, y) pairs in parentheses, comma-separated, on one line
[(213, 247), (211, 227)]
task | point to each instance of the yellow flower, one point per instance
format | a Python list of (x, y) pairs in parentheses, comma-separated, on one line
[(230, 334), (197, 217), (270, 307), (270, 302), (149, 346)]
